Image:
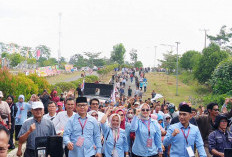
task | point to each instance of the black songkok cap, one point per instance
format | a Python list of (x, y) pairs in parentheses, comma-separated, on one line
[(81, 100), (185, 108)]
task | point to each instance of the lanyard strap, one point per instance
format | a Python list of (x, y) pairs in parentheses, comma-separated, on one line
[(186, 137), (148, 126), (116, 138), (82, 126)]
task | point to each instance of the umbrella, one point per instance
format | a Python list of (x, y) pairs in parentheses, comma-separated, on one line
[(157, 96)]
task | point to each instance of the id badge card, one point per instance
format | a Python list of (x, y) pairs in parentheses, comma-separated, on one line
[(149, 142), (190, 151), (80, 141)]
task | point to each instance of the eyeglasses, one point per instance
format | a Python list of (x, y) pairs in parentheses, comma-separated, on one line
[(216, 109), (168, 118), (94, 115), (82, 105), (145, 110), (121, 115), (130, 112), (165, 109), (94, 104), (224, 121)]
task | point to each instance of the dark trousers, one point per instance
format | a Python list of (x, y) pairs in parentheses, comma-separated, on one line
[(133, 155), (11, 142), (29, 153), (17, 129), (66, 151)]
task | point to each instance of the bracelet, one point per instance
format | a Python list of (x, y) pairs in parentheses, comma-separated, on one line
[(9, 123)]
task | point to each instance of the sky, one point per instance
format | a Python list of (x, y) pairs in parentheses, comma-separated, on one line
[(98, 25)]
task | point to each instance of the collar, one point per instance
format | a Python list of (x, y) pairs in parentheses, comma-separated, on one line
[(78, 116), (52, 116), (37, 121), (181, 126), (222, 131)]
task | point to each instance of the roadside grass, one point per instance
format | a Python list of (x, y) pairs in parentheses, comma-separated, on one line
[(166, 86), (62, 77)]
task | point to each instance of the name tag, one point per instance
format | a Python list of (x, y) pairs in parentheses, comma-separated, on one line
[(149, 142), (80, 141), (190, 151)]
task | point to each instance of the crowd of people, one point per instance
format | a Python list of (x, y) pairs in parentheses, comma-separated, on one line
[(128, 126)]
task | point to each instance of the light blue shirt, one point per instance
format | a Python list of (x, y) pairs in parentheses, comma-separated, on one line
[(127, 130), (179, 144), (91, 134), (21, 115), (141, 131), (121, 144)]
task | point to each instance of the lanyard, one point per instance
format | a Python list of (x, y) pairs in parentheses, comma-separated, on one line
[(186, 137), (116, 138), (148, 126), (82, 126)]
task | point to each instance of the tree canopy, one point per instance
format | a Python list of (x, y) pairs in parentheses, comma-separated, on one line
[(117, 55), (212, 56)]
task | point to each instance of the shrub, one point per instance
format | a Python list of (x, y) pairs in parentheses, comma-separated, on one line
[(57, 88), (40, 81), (17, 85), (221, 80), (65, 86), (25, 86)]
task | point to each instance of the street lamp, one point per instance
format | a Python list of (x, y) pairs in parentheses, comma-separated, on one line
[(177, 43)]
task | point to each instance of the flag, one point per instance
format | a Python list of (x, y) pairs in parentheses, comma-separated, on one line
[(113, 95), (38, 54), (83, 85)]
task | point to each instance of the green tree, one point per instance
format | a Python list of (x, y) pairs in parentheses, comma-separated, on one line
[(169, 62), (15, 59), (78, 60), (31, 61), (221, 80), (41, 61), (212, 56), (44, 51), (189, 59), (133, 56), (26, 51), (138, 64), (92, 56), (5, 55), (50, 62), (223, 38), (117, 55)]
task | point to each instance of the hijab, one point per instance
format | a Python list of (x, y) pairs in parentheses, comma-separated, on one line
[(123, 121), (21, 96), (115, 130), (160, 117), (140, 116)]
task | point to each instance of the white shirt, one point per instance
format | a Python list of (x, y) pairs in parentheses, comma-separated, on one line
[(47, 116), (60, 121)]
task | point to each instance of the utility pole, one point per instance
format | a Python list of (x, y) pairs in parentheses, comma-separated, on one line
[(59, 51), (205, 30), (177, 43), (155, 54)]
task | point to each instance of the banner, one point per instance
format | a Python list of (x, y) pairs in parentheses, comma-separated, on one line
[(68, 67)]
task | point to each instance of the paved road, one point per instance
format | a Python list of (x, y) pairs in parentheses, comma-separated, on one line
[(79, 76)]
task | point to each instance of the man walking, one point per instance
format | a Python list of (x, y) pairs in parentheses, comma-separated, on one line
[(34, 127), (82, 134), (183, 135)]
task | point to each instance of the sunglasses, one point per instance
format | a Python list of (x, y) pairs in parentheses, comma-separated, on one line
[(224, 121), (145, 110), (168, 118), (94, 115), (121, 114), (130, 112), (216, 109)]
